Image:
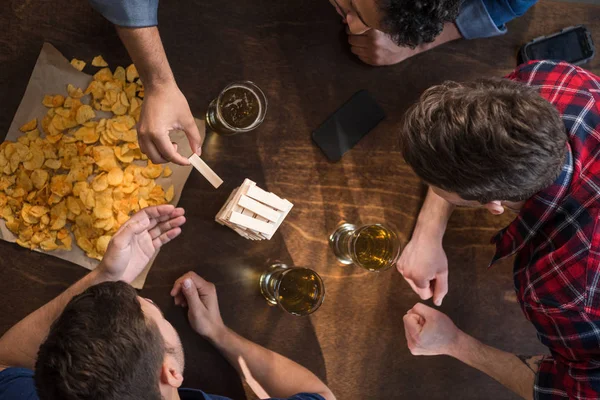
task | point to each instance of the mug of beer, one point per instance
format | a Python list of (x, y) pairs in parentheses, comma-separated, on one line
[(240, 107), (298, 291), (372, 247)]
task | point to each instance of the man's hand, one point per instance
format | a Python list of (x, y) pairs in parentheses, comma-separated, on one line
[(165, 109), (424, 265), (376, 48), (429, 332), (138, 239), (200, 296)]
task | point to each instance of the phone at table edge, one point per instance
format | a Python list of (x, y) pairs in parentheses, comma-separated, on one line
[(347, 125), (574, 43)]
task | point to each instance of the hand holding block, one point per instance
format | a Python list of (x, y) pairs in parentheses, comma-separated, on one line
[(252, 212)]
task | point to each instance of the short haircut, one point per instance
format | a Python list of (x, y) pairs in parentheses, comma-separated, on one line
[(413, 22), (102, 348), (490, 139)]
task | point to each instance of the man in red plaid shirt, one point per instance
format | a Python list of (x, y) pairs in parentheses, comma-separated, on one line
[(529, 144)]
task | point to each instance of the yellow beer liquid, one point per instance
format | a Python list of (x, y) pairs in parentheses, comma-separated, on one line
[(300, 291), (239, 107), (374, 248)]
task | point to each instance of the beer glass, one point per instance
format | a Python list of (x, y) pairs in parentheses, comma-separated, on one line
[(372, 247), (298, 291), (240, 107)]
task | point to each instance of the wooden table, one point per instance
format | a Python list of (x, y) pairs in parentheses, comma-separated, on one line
[(296, 51)]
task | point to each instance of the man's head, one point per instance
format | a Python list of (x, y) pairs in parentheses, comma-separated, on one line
[(408, 22), (109, 344), (484, 141)]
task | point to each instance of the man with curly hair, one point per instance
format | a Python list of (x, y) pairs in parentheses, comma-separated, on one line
[(386, 32), (380, 32)]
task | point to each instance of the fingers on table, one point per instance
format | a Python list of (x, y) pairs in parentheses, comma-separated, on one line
[(177, 285)]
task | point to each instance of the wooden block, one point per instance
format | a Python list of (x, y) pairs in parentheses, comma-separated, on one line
[(268, 198), (259, 209), (243, 189), (251, 223), (205, 170), (278, 223), (250, 214), (219, 215)]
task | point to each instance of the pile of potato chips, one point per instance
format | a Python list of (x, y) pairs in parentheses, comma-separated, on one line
[(79, 176)]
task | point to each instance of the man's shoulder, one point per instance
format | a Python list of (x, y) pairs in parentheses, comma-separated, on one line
[(17, 384), (556, 75)]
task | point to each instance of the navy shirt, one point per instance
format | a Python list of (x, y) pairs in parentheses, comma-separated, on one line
[(17, 384)]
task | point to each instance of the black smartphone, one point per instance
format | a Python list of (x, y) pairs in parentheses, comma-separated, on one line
[(344, 128), (573, 44)]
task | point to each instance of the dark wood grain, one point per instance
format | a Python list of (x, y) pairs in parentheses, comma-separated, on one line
[(296, 51)]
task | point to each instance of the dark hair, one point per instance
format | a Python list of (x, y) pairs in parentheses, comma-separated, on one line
[(413, 22), (491, 139), (101, 348)]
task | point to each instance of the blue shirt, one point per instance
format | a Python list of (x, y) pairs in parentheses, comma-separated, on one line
[(477, 18), (485, 18), (18, 384)]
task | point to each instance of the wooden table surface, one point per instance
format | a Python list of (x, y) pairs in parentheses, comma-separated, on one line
[(296, 51)]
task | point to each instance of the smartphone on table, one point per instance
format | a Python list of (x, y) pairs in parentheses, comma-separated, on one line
[(350, 123), (573, 45)]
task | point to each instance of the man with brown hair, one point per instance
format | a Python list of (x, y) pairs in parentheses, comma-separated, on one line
[(529, 144), (100, 341)]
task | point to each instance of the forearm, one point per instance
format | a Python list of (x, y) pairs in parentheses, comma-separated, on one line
[(269, 374), (449, 33), (433, 217), (146, 50), (20, 344), (511, 371)]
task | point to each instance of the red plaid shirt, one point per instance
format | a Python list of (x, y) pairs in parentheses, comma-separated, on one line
[(556, 238)]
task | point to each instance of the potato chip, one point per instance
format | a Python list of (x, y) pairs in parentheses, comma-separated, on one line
[(152, 171), (169, 194), (39, 178), (47, 101), (36, 161), (104, 75), (132, 73), (167, 172), (87, 135), (60, 186), (119, 108), (30, 125), (85, 244), (115, 176), (74, 93), (100, 183), (84, 114), (98, 61), (78, 64), (119, 74), (58, 100)]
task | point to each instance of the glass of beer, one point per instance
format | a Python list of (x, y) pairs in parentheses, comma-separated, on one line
[(372, 247), (240, 107), (298, 291)]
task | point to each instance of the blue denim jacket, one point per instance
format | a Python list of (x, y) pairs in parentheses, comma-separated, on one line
[(486, 18)]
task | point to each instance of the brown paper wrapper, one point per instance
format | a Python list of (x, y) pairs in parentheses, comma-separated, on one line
[(51, 74)]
